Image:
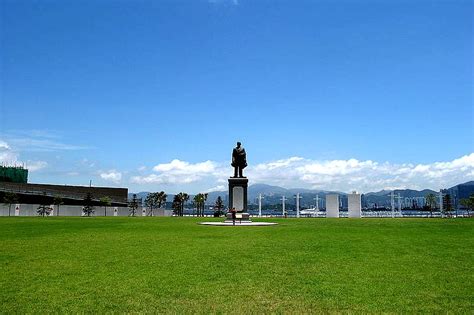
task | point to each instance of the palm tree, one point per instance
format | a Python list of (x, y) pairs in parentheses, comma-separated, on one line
[(204, 203), (184, 199), (431, 202), (200, 201), (197, 203), (161, 199), (176, 204)]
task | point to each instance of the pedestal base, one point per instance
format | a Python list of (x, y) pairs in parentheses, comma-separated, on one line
[(238, 194), (239, 217)]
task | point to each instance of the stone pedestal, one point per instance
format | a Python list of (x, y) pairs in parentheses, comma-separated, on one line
[(354, 205), (332, 206), (238, 198)]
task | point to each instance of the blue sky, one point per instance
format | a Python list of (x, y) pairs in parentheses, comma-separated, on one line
[(115, 91)]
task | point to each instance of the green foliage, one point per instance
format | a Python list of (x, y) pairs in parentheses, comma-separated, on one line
[(155, 201), (218, 207), (176, 206), (105, 202), (431, 202), (88, 207), (8, 199), (178, 203), (133, 205), (200, 203), (447, 204), (468, 203), (173, 265)]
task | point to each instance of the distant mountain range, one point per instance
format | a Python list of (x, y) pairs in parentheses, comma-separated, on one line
[(272, 195)]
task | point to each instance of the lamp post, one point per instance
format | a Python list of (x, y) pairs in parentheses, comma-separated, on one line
[(317, 202), (399, 204), (297, 204), (283, 199), (260, 205)]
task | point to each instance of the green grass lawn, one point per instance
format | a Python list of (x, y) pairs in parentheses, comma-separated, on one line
[(119, 264)]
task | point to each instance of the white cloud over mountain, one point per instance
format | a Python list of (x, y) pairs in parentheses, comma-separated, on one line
[(112, 176), (342, 175), (10, 157)]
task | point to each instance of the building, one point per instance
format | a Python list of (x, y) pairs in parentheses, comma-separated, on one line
[(29, 196), (13, 174), (458, 192)]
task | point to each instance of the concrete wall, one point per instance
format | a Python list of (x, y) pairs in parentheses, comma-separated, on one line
[(117, 195), (332, 206), (354, 205), (65, 210)]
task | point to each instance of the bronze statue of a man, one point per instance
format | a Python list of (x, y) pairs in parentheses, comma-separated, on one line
[(239, 160)]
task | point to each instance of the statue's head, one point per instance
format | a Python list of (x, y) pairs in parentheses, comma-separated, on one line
[(239, 144)]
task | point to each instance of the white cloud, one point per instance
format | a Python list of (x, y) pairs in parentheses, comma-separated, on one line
[(112, 175), (180, 172), (42, 145), (34, 166), (366, 175), (7, 155), (216, 188), (342, 175), (181, 167)]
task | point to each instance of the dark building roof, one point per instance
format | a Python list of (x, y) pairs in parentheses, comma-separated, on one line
[(31, 193)]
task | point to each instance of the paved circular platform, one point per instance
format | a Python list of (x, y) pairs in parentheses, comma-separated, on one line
[(238, 223)]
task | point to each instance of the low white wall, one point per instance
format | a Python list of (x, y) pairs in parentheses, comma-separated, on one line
[(65, 210)]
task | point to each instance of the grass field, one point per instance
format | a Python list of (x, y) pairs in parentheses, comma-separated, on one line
[(119, 264)]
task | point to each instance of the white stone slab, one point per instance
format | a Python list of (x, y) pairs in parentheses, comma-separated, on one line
[(17, 210), (354, 204), (238, 198), (332, 206)]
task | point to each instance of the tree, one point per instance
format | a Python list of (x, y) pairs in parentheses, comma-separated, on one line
[(176, 206), (9, 199), (105, 202), (447, 204), (184, 199), (44, 210), (58, 201), (198, 202), (88, 208), (151, 202), (431, 202), (218, 207), (204, 203), (468, 203), (161, 197), (133, 205)]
